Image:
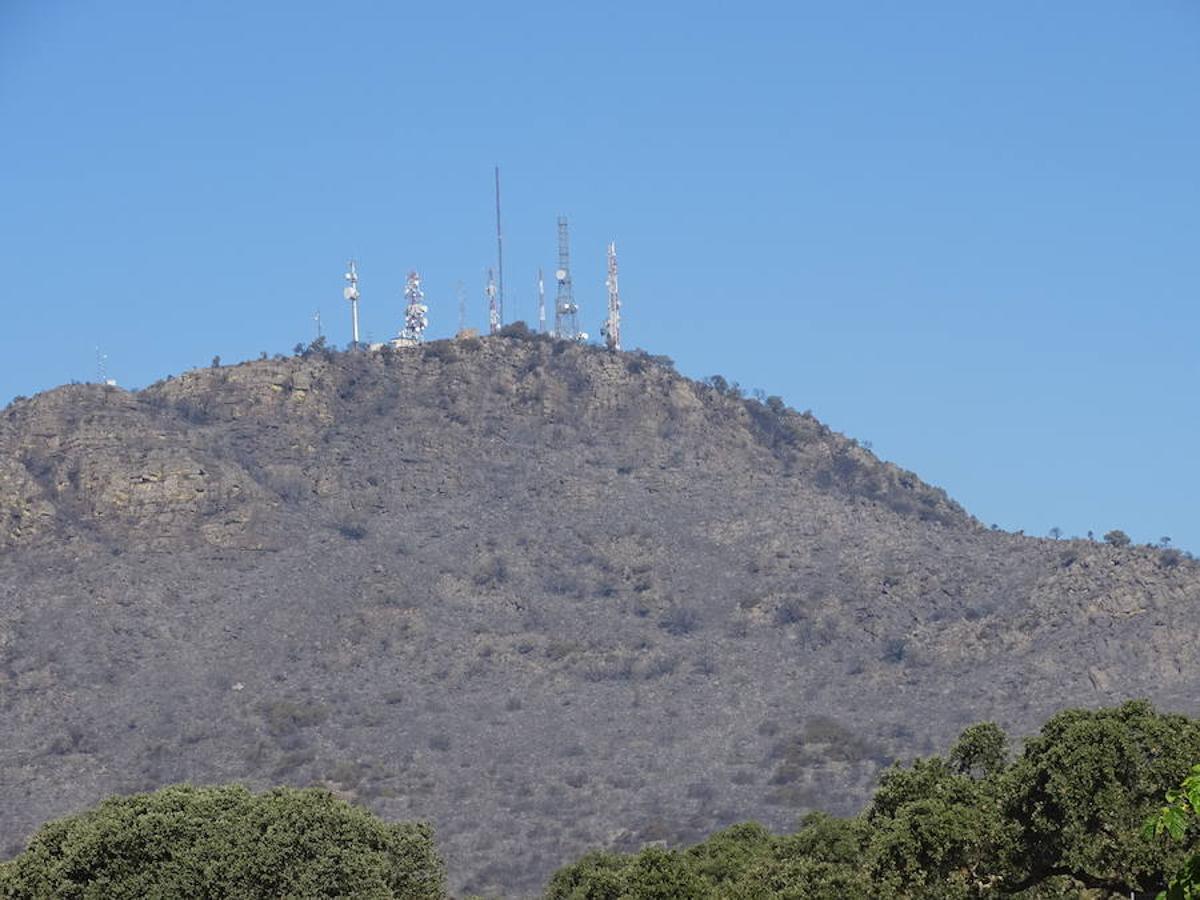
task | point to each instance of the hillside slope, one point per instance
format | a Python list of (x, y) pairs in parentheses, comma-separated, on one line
[(546, 597)]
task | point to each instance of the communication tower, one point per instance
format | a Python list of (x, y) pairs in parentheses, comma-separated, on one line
[(541, 303), (566, 311), (499, 256), (102, 369), (351, 293), (317, 319), (416, 319), (493, 309), (612, 325)]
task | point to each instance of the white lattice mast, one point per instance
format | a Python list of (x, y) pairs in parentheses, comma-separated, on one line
[(541, 302), (416, 318), (612, 325), (493, 309), (566, 311), (351, 293)]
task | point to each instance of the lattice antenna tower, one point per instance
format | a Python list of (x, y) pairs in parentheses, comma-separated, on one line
[(499, 256), (416, 318), (350, 292), (102, 369), (317, 319), (541, 302), (493, 309), (566, 311), (462, 307), (612, 325)]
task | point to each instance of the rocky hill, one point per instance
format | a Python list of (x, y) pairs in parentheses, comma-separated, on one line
[(547, 597)]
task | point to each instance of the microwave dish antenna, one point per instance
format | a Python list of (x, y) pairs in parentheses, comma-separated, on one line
[(566, 310)]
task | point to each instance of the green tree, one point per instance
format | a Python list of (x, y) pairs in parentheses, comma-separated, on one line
[(653, 874), (594, 876), (821, 861), (979, 750), (937, 832), (224, 842), (725, 857), (1174, 821), (1083, 787), (1117, 538)]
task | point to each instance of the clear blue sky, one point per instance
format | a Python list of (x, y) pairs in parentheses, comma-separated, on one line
[(966, 232)]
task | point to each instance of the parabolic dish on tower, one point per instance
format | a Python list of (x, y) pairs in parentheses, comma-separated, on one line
[(561, 274)]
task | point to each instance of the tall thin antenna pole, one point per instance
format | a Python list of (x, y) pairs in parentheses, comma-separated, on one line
[(541, 302), (499, 252), (566, 318), (462, 307), (351, 293), (493, 309), (317, 319), (612, 326)]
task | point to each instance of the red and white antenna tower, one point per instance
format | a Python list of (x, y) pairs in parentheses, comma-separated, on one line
[(416, 318), (612, 325), (493, 309)]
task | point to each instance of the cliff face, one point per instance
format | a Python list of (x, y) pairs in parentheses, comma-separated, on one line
[(547, 597)]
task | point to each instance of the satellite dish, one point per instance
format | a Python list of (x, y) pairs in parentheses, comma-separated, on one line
[(350, 293), (561, 274)]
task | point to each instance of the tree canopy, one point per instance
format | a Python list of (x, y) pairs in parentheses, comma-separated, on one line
[(1065, 816), (225, 842)]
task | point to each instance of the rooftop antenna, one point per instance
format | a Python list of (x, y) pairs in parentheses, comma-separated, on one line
[(541, 302), (566, 311), (462, 307), (351, 293), (499, 253), (415, 318), (493, 309), (612, 325)]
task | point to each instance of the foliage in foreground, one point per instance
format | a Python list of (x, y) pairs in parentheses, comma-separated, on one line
[(1183, 805), (1064, 819), (225, 842)]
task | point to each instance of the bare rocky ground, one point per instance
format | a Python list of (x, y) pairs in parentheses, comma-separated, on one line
[(549, 598)]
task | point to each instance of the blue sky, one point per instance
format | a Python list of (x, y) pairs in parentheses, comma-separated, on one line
[(965, 232)]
